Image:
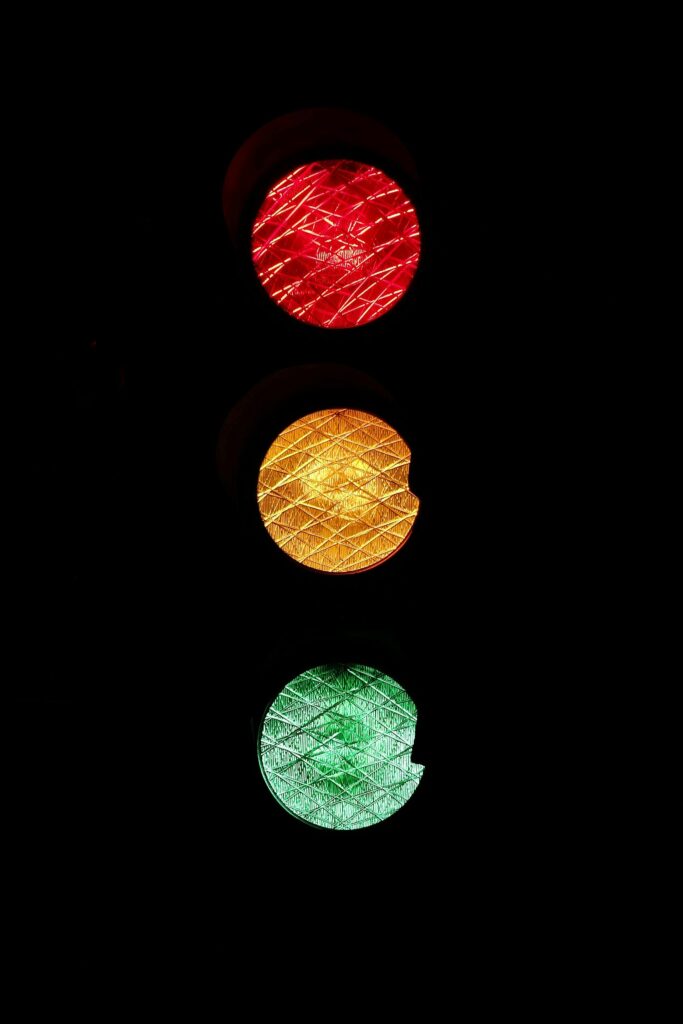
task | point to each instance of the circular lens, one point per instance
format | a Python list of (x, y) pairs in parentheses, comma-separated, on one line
[(333, 491), (336, 243), (335, 746)]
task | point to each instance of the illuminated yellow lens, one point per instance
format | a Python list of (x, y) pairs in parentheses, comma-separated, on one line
[(333, 491)]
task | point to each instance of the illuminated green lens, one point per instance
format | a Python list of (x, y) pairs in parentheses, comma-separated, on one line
[(335, 746)]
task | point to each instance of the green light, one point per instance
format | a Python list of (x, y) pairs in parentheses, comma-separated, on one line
[(335, 746)]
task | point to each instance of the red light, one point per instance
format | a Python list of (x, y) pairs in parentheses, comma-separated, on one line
[(336, 243)]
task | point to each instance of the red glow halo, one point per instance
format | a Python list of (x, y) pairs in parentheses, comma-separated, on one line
[(336, 243)]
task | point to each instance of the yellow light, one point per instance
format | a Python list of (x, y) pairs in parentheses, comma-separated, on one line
[(333, 491)]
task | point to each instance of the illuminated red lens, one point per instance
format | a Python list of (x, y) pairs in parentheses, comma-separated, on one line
[(336, 243)]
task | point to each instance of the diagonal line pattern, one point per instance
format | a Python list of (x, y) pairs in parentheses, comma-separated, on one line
[(335, 746), (333, 491), (336, 243)]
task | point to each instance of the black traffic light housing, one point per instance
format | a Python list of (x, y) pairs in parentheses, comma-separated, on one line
[(139, 645)]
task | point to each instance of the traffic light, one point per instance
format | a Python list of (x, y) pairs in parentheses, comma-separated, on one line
[(334, 242), (333, 491), (335, 746), (164, 622)]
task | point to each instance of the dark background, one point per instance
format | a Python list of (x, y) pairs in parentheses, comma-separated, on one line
[(161, 622)]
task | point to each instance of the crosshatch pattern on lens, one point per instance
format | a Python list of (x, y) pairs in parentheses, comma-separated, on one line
[(336, 243), (335, 746), (333, 491)]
